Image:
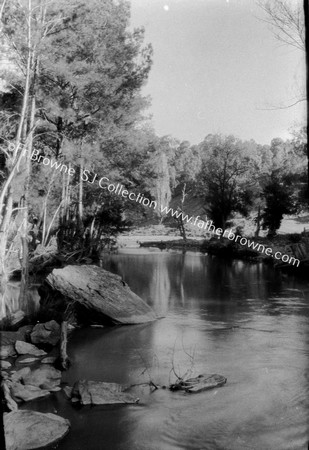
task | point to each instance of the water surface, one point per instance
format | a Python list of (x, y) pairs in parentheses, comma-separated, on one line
[(244, 321)]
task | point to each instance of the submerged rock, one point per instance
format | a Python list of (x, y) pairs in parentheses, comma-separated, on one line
[(100, 393), (199, 384), (23, 348), (25, 430), (100, 292), (46, 333)]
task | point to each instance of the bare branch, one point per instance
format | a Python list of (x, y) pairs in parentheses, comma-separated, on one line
[(287, 21), (282, 107)]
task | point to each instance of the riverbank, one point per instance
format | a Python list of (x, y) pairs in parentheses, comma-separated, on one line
[(294, 245)]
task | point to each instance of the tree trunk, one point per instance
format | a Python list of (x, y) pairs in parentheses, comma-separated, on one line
[(80, 200), (6, 197), (258, 223), (24, 233)]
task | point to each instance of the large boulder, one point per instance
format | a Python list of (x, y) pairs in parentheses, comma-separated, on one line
[(100, 393), (102, 293), (46, 333), (25, 430)]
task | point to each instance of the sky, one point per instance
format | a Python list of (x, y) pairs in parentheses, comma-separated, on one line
[(216, 68)]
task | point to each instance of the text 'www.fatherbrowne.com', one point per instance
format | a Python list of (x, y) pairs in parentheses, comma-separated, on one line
[(119, 189)]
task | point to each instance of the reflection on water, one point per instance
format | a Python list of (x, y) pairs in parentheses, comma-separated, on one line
[(241, 320)]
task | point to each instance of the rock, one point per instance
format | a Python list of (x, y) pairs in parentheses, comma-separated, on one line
[(101, 292), (45, 377), (46, 333), (17, 317), (24, 348), (25, 332), (26, 359), (6, 389), (6, 351), (49, 359), (68, 391), (5, 364), (25, 430), (21, 374), (52, 356), (55, 389), (100, 393), (200, 383), (27, 392), (10, 337)]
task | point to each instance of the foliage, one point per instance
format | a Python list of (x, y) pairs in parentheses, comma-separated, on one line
[(227, 177), (280, 200)]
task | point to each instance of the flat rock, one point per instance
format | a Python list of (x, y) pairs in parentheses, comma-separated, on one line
[(25, 430), (200, 383), (101, 292), (46, 333), (27, 392), (26, 359), (45, 377), (23, 348), (100, 393)]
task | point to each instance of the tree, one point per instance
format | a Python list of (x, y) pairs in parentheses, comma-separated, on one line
[(287, 21), (281, 181), (280, 200), (226, 177), (80, 75)]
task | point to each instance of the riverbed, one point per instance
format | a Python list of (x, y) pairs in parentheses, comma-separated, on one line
[(245, 321)]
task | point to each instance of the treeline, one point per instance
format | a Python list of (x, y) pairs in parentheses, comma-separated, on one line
[(232, 176), (72, 92)]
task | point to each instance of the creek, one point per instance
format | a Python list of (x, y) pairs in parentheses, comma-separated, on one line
[(245, 321)]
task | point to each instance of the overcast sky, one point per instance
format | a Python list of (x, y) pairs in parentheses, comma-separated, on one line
[(215, 66)]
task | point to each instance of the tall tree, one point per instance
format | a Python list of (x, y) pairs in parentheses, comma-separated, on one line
[(226, 177), (86, 95)]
